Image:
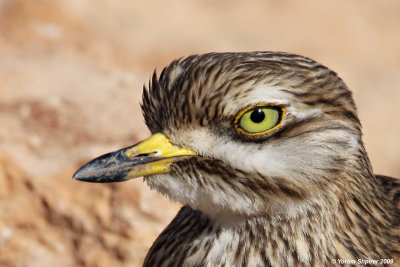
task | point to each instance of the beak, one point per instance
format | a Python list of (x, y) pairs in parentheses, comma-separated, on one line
[(151, 156)]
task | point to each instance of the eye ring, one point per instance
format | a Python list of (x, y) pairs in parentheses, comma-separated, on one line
[(279, 113)]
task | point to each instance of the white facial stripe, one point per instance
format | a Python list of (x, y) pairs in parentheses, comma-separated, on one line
[(242, 156), (260, 94), (268, 94)]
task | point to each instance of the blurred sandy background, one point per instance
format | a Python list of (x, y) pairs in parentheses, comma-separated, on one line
[(71, 74)]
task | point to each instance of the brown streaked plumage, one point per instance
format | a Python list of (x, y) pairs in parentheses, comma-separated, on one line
[(300, 194)]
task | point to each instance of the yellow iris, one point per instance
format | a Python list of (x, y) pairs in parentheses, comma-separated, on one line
[(259, 120)]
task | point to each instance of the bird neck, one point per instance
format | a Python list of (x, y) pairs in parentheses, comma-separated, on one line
[(352, 230), (348, 229), (352, 223)]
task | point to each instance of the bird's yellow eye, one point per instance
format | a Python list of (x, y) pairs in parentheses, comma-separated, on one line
[(259, 120)]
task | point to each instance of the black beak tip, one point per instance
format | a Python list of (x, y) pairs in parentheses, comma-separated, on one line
[(81, 175), (75, 176), (111, 167), (108, 168), (92, 172)]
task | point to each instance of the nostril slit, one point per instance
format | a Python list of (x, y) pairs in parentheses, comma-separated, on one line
[(145, 155)]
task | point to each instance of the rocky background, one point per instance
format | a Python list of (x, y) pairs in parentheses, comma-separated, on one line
[(71, 75)]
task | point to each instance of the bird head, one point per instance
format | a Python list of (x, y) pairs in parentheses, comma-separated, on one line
[(237, 135)]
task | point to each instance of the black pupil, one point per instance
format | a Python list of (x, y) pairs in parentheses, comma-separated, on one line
[(257, 115)]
